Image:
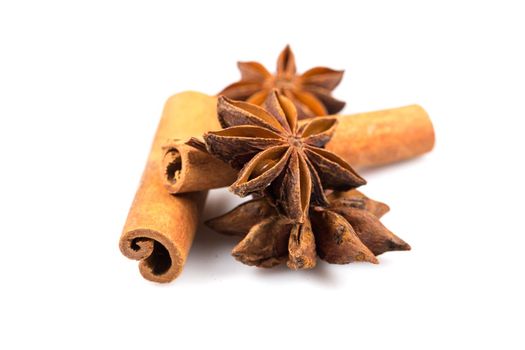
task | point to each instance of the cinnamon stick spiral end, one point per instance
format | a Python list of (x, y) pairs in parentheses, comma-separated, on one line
[(160, 260)]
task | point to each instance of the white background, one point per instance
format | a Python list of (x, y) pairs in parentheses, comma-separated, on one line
[(82, 86)]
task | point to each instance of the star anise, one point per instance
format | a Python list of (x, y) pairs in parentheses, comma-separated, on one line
[(310, 92), (347, 230), (278, 156)]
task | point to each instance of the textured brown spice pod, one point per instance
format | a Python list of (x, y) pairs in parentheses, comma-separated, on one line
[(363, 140)]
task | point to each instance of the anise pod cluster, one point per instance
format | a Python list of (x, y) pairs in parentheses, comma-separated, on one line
[(311, 92), (346, 230), (278, 156)]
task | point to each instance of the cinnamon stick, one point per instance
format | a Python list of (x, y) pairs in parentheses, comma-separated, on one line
[(377, 138), (188, 169), (363, 140), (160, 227)]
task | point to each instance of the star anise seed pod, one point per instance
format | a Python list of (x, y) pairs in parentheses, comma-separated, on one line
[(278, 156), (310, 92), (347, 230)]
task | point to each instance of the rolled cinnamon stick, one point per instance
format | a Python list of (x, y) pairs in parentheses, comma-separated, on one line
[(363, 140), (160, 227), (188, 169), (382, 137)]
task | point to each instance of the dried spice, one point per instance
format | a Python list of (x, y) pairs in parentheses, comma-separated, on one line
[(279, 157), (347, 230), (311, 92), (363, 140)]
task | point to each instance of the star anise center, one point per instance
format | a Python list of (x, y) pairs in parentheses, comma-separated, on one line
[(279, 157), (295, 141)]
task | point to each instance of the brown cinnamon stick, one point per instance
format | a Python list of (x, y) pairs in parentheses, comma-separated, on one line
[(160, 227), (364, 140), (187, 169), (382, 137)]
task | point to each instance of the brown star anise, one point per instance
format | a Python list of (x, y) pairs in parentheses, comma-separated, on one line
[(279, 157), (310, 92), (347, 230)]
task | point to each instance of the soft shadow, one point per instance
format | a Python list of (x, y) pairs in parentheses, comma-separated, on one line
[(370, 171), (210, 256), (322, 273), (211, 249), (325, 274)]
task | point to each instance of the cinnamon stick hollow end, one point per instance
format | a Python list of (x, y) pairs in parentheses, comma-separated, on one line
[(188, 169), (161, 243), (160, 260)]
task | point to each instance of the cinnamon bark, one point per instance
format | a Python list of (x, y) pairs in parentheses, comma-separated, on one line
[(363, 140), (382, 137), (187, 169), (160, 227)]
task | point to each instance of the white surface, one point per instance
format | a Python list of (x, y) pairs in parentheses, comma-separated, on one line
[(82, 87)]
